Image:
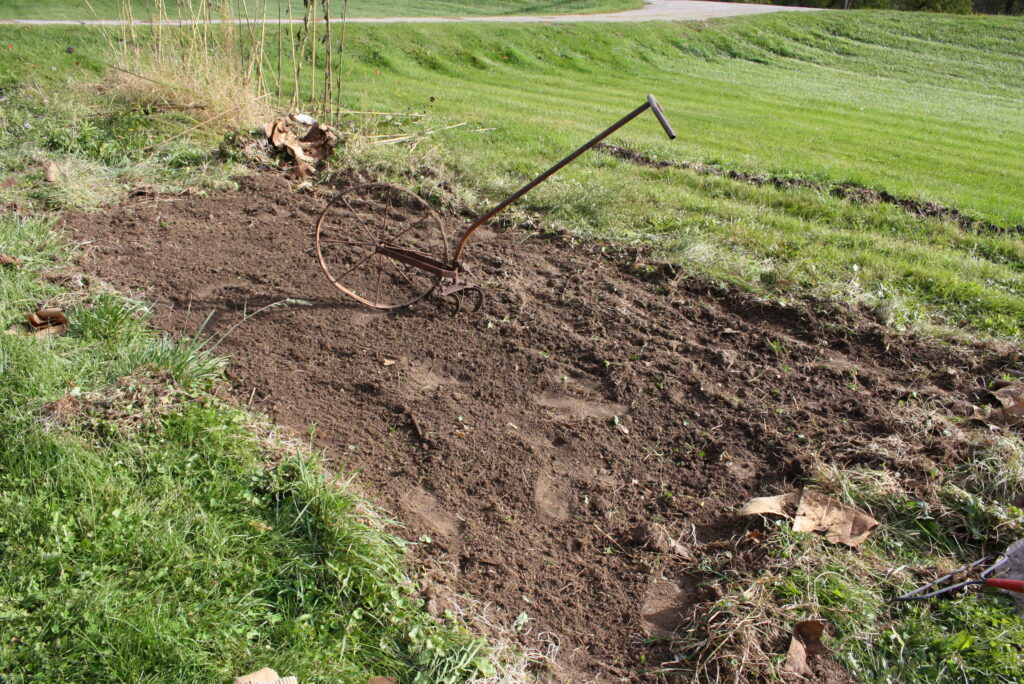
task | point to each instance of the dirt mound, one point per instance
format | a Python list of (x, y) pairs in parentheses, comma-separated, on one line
[(564, 453)]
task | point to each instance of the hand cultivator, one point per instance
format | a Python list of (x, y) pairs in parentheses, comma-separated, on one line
[(385, 247), (976, 574)]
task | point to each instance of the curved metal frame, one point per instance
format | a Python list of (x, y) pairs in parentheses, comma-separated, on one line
[(381, 248)]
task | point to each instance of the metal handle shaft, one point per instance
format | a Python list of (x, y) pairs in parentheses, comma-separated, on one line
[(660, 113), (650, 104)]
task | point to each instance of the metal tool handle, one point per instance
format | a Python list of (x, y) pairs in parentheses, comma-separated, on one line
[(660, 113), (651, 104), (1007, 584)]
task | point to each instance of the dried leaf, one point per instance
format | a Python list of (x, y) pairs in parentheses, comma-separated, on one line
[(752, 537), (771, 505), (52, 331), (1010, 396), (816, 512), (52, 173), (8, 260), (316, 145), (1010, 410), (806, 641), (8, 182), (840, 523), (47, 318), (319, 142), (265, 676)]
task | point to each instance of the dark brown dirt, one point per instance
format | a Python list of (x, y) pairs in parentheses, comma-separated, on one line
[(567, 451)]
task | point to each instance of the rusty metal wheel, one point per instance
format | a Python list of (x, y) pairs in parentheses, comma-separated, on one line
[(359, 221)]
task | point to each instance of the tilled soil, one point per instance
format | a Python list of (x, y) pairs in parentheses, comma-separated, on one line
[(538, 450)]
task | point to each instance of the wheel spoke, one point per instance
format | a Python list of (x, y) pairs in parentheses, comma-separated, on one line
[(387, 215), (348, 239), (363, 261), (398, 268), (380, 272), (366, 228), (407, 229), (348, 242)]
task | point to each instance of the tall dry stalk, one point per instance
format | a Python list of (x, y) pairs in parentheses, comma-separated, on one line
[(200, 64), (341, 58), (312, 51), (326, 99)]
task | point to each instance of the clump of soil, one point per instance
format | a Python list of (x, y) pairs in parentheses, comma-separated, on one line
[(566, 452)]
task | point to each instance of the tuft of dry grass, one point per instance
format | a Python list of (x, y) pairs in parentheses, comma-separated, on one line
[(215, 68)]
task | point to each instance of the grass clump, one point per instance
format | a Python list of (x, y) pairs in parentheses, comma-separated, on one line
[(113, 9), (930, 525), (920, 107), (146, 536)]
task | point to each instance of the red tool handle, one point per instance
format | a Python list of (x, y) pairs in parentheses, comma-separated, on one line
[(1007, 584)]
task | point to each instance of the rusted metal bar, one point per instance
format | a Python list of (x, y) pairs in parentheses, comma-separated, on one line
[(650, 104), (418, 260)]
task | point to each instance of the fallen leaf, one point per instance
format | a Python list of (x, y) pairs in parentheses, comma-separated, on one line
[(319, 142), (1010, 410), (806, 641), (771, 505), (8, 182), (1011, 397), (52, 173), (264, 675), (47, 318), (8, 260), (840, 523), (52, 331), (752, 537), (316, 145), (816, 512)]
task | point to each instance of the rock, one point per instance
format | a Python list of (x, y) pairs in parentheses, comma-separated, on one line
[(655, 537)]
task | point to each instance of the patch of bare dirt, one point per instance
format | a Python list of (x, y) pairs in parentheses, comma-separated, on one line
[(568, 451)]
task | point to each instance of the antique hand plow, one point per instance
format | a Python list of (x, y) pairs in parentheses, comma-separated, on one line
[(385, 247)]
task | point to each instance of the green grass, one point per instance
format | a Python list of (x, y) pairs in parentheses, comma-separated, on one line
[(925, 107), (143, 536), (146, 9), (958, 516), (922, 106), (929, 526)]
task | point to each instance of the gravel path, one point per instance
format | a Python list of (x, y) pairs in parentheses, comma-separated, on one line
[(656, 10)]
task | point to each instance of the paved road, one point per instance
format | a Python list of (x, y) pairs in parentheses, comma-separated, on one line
[(656, 10)]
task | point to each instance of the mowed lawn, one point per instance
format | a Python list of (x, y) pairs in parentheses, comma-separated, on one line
[(923, 106), (919, 105), (149, 9)]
